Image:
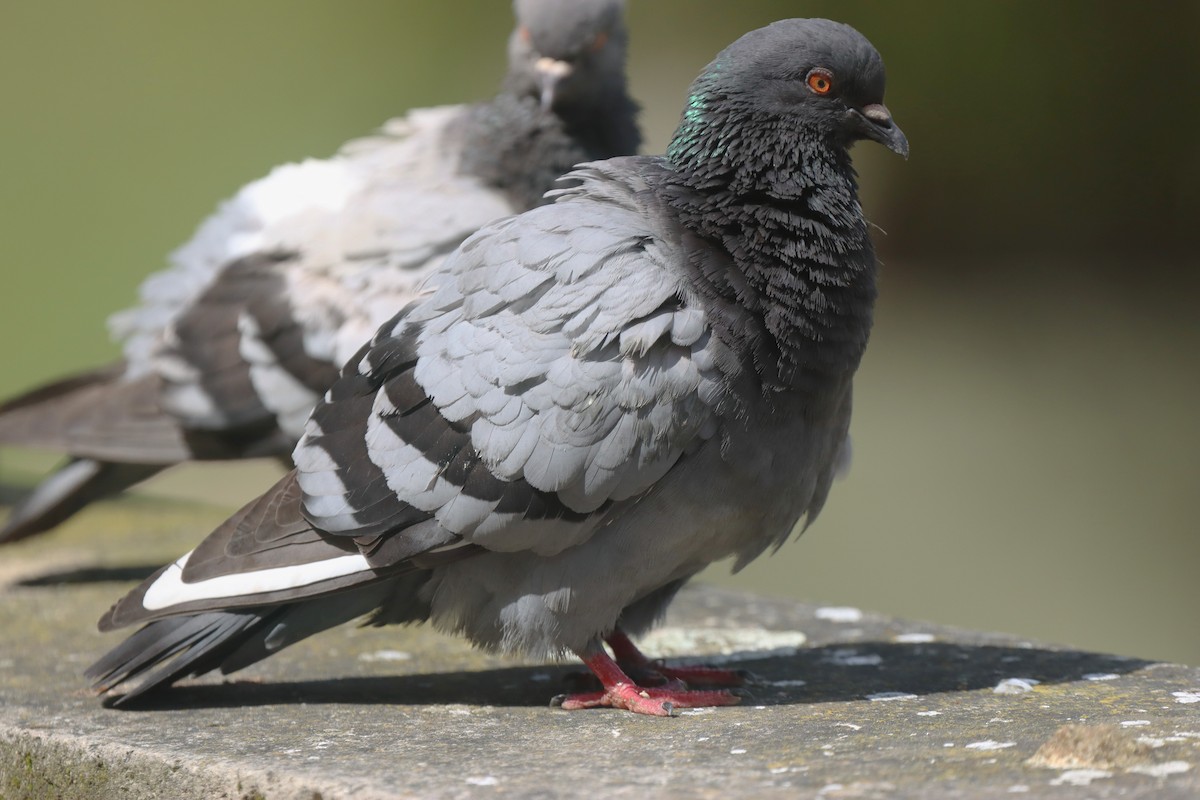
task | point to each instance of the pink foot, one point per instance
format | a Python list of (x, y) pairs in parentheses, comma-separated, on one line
[(621, 692), (634, 661)]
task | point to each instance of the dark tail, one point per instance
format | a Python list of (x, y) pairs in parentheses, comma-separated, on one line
[(104, 415), (167, 650)]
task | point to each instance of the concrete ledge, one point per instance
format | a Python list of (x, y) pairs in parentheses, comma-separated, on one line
[(851, 705)]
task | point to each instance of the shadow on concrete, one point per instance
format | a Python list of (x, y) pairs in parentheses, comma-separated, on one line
[(828, 674), (80, 575)]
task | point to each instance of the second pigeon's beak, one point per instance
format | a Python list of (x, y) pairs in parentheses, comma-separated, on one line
[(881, 128), (550, 72)]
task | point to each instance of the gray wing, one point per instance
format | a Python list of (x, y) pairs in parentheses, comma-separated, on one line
[(559, 367)]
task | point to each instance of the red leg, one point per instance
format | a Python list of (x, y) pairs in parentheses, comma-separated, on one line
[(634, 661), (621, 692)]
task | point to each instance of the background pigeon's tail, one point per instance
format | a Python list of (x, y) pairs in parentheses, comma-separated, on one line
[(110, 425), (169, 649), (103, 414), (70, 488)]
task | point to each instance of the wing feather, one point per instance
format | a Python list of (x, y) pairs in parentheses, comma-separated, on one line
[(556, 367)]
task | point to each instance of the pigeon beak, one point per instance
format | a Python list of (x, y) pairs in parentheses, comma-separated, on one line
[(550, 72), (883, 129)]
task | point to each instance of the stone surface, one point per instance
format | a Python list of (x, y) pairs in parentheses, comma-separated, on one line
[(850, 705)]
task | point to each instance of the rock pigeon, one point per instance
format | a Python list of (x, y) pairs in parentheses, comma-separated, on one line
[(599, 398), (233, 344)]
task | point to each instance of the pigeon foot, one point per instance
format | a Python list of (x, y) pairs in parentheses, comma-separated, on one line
[(655, 671), (654, 702), (620, 691)]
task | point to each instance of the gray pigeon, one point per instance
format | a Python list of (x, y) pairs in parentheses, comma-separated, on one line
[(601, 397), (233, 344)]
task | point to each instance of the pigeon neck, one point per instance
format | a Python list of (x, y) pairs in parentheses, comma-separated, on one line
[(603, 123), (515, 146), (784, 206)]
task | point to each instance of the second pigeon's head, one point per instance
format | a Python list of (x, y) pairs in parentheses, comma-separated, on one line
[(822, 81), (567, 51)]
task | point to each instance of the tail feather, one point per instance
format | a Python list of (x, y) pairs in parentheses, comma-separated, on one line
[(169, 649), (102, 415), (67, 490), (63, 386), (166, 650), (301, 620)]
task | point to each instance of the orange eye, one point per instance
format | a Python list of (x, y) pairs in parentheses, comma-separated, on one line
[(820, 81), (599, 42), (525, 35)]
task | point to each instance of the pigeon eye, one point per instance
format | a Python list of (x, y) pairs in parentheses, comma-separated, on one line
[(525, 35), (598, 43), (820, 81)]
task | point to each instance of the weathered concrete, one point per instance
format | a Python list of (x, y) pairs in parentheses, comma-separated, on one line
[(865, 707)]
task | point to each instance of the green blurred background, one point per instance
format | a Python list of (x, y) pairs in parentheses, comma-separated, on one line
[(1025, 441)]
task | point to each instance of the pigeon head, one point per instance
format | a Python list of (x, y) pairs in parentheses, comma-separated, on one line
[(567, 51), (802, 82), (564, 99)]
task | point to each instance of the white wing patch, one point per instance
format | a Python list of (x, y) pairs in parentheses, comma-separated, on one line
[(170, 590)]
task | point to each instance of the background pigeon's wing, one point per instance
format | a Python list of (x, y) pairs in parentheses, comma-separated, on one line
[(97, 414), (294, 273)]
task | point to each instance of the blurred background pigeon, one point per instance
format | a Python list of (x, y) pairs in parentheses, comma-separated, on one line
[(234, 343), (601, 397)]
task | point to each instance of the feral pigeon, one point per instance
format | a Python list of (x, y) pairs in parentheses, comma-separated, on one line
[(233, 344), (599, 398)]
